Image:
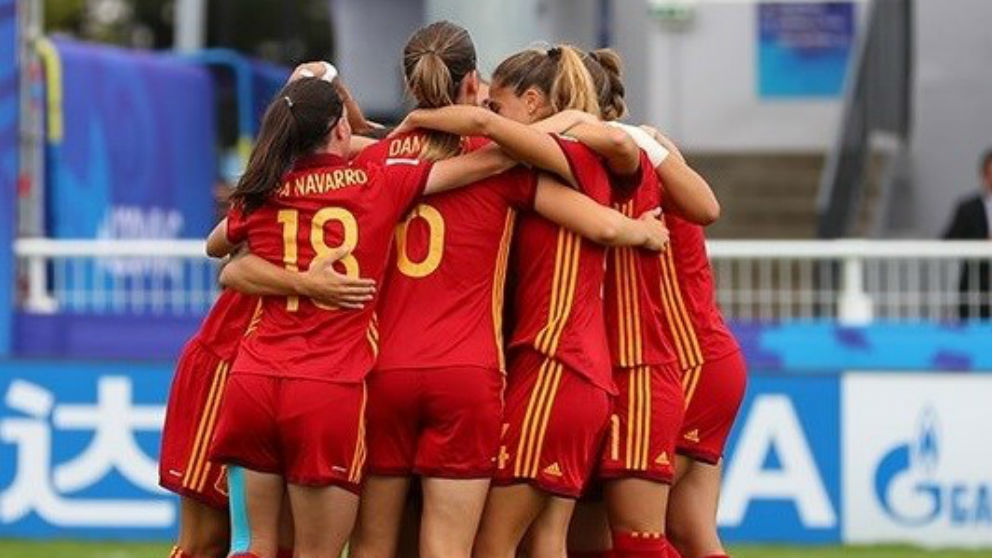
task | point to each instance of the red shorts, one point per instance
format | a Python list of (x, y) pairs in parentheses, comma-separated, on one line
[(646, 420), (435, 422), (190, 418), (310, 432), (552, 428), (713, 394)]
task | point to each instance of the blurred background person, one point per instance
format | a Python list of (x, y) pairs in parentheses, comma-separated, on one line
[(972, 220)]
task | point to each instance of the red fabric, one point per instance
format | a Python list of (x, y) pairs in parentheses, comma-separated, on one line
[(697, 331), (197, 389), (645, 424), (360, 202), (714, 392), (553, 426), (284, 553), (308, 431), (559, 277), (635, 313), (244, 555), (441, 302), (434, 422), (226, 323), (640, 545)]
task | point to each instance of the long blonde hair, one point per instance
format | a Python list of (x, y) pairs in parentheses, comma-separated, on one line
[(435, 61), (558, 72)]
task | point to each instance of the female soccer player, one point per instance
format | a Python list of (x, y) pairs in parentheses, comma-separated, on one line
[(559, 373), (197, 388), (293, 410), (693, 324)]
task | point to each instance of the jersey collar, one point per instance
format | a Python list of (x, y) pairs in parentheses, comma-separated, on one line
[(318, 160)]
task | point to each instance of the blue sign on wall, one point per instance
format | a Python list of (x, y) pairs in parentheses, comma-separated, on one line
[(803, 48), (8, 160)]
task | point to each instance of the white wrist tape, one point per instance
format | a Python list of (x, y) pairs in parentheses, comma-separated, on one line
[(656, 152), (330, 72)]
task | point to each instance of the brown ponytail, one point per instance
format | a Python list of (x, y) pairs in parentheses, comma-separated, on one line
[(435, 61), (557, 72), (296, 122), (605, 67)]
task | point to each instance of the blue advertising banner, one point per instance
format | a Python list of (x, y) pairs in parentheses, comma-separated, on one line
[(8, 161), (811, 459), (79, 446), (782, 475), (134, 155), (803, 48)]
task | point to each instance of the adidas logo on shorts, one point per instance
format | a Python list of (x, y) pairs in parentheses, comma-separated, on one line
[(692, 436), (553, 470)]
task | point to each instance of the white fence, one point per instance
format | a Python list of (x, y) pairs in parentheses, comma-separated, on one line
[(852, 281)]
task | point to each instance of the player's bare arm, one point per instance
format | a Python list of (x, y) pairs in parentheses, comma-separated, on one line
[(253, 275), (600, 224), (520, 141), (687, 192)]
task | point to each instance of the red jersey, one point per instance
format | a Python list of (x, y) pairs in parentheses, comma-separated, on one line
[(695, 326), (324, 203), (230, 318), (442, 300), (635, 314), (559, 276)]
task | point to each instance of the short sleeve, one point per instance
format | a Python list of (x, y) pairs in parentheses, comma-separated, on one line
[(406, 180), (237, 225), (519, 186), (586, 167)]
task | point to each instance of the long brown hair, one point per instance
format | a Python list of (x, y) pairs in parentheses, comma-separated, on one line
[(558, 72), (606, 69), (296, 122), (435, 61)]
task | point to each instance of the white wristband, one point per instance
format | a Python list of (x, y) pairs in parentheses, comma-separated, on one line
[(656, 152), (330, 72)]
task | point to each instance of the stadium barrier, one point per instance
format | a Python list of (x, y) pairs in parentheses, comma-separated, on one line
[(812, 458), (853, 282)]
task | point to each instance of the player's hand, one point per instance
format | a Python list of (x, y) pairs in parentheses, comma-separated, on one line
[(324, 284), (657, 232), (664, 141)]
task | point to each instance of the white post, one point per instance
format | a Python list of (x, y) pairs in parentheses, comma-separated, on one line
[(854, 306), (38, 300), (190, 25)]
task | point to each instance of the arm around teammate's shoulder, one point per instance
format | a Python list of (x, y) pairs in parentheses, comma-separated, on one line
[(603, 225)]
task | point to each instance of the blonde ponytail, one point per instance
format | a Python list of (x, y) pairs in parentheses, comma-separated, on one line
[(572, 87)]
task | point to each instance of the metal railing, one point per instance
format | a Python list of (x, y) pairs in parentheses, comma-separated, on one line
[(850, 281), (115, 276)]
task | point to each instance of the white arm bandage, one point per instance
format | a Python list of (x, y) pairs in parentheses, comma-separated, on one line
[(657, 153)]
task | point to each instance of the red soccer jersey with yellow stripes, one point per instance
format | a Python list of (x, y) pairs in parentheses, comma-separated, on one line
[(324, 203), (442, 300), (229, 320), (695, 325), (558, 300), (636, 318)]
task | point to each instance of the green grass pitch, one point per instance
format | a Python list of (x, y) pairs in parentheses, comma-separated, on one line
[(79, 549)]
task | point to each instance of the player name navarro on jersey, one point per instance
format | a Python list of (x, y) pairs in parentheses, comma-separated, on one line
[(323, 182)]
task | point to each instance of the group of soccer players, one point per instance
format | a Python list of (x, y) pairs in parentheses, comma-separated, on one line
[(358, 348)]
